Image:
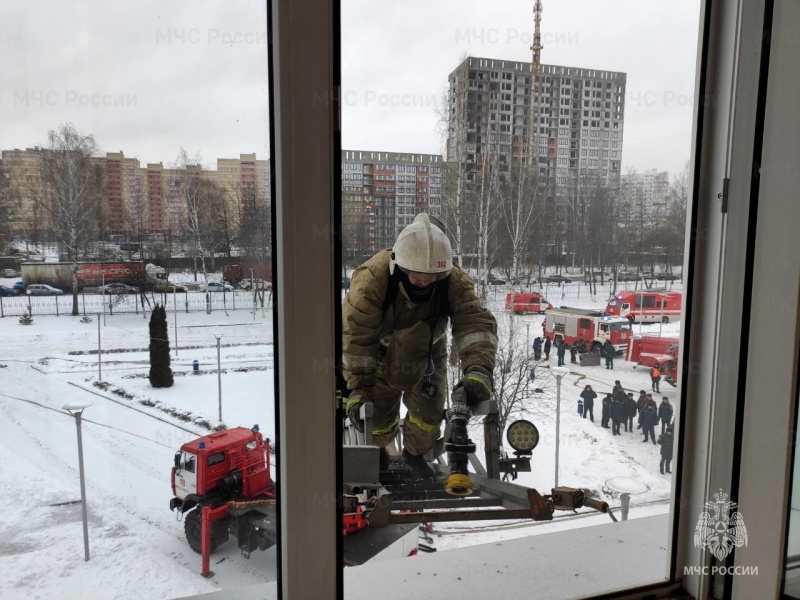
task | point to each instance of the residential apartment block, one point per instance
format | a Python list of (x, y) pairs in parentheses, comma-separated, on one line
[(134, 199), (645, 193), (382, 192)]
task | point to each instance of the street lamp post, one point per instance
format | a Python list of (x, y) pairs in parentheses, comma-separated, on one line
[(559, 372), (76, 410), (103, 279), (219, 375), (175, 312)]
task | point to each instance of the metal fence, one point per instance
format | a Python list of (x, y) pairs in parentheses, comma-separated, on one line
[(91, 304)]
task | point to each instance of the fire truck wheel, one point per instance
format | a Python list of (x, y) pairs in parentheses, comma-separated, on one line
[(193, 527), (597, 347), (665, 320)]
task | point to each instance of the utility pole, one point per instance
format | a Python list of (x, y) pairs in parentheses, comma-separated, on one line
[(99, 352), (175, 313), (219, 375)]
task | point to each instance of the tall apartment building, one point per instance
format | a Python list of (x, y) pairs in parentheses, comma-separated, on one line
[(382, 192), (23, 170), (244, 179), (645, 193), (578, 135)]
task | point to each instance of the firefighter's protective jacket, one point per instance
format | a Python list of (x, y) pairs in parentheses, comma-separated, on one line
[(400, 336)]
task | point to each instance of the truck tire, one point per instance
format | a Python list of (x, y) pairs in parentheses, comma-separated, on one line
[(192, 526), (665, 320), (597, 347)]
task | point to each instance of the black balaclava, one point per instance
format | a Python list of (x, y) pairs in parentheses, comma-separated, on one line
[(417, 295)]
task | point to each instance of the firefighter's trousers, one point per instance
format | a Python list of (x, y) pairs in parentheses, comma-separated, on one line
[(422, 423)]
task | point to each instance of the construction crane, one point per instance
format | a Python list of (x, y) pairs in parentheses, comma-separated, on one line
[(533, 117)]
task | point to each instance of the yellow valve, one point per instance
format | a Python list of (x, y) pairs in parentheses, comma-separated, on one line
[(458, 484)]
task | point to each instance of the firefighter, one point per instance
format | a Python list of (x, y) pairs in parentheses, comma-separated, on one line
[(394, 339), (606, 410), (649, 419), (665, 412), (617, 412), (561, 352), (588, 396), (573, 353), (640, 402), (609, 352), (666, 439), (655, 376), (630, 411), (547, 345), (537, 349)]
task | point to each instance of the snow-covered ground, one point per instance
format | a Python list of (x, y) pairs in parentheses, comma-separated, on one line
[(138, 549)]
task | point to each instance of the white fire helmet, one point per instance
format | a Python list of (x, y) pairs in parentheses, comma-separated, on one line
[(423, 248)]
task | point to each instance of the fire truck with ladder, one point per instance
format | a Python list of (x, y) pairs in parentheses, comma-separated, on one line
[(575, 324), (222, 487)]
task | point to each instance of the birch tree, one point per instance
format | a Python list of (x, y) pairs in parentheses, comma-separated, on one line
[(72, 192)]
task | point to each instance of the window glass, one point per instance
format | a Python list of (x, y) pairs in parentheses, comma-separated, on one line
[(134, 170), (534, 207)]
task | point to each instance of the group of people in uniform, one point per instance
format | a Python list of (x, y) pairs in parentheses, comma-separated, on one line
[(619, 408)]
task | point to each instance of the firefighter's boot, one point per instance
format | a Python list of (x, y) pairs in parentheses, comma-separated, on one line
[(419, 468)]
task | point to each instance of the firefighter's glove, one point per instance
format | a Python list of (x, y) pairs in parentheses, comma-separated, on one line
[(477, 385), (353, 404)]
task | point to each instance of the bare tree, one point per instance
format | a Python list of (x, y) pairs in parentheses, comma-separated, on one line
[(72, 186), (254, 223), (6, 208), (201, 199)]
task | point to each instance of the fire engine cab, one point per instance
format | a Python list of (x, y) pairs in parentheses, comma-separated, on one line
[(523, 303), (646, 306), (574, 324)]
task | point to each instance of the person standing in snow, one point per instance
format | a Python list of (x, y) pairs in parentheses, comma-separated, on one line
[(649, 421), (609, 352), (666, 440), (665, 412), (630, 411), (606, 410), (547, 344), (588, 396), (640, 402), (537, 349), (617, 409), (573, 353), (655, 376), (394, 340), (561, 352)]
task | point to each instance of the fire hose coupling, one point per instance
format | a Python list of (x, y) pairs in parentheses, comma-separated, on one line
[(458, 446)]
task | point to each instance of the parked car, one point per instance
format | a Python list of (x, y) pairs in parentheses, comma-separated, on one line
[(10, 273), (42, 289), (167, 287), (557, 279), (215, 286), (118, 288), (19, 286), (8, 291), (494, 280), (261, 285), (667, 277)]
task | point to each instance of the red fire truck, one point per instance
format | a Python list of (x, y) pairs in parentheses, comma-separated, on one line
[(574, 324), (523, 303), (650, 350), (646, 306)]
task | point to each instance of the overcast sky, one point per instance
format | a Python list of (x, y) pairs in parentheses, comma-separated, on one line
[(148, 77)]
